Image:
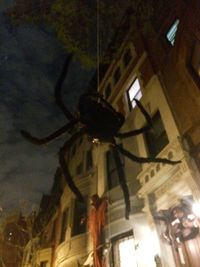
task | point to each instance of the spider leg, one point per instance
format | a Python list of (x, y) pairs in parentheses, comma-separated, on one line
[(133, 133), (58, 87), (142, 129), (122, 180), (64, 166), (143, 159), (49, 138)]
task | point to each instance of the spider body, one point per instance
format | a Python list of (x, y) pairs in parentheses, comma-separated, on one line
[(100, 119), (102, 123)]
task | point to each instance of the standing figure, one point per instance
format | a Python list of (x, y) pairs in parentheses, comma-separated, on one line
[(97, 220)]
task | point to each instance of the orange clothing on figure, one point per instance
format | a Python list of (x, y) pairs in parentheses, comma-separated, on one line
[(97, 220)]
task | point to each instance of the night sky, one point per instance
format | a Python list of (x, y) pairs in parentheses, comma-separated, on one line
[(31, 59)]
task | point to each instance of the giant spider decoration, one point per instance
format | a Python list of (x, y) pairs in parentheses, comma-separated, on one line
[(102, 123)]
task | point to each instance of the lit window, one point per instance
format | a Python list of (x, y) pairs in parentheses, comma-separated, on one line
[(124, 251), (134, 92), (171, 34), (127, 259)]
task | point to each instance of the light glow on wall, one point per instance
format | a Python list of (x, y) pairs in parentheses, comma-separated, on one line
[(127, 253), (196, 208)]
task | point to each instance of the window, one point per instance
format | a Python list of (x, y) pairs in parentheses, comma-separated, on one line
[(127, 57), (156, 137), (64, 225), (123, 249), (112, 174), (79, 168), (108, 91), (117, 75), (171, 33), (43, 263), (134, 92), (89, 161), (195, 60), (80, 212)]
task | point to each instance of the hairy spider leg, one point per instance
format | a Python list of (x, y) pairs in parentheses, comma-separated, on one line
[(142, 129), (145, 160), (58, 87), (122, 181), (63, 164), (49, 138)]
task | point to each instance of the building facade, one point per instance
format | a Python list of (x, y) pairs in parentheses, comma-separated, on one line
[(159, 67)]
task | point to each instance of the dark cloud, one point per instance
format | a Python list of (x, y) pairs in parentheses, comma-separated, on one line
[(31, 59), (4, 4)]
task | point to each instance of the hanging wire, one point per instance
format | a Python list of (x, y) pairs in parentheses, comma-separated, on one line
[(98, 83), (98, 42)]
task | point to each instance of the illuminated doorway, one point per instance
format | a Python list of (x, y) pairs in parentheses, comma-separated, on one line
[(123, 250)]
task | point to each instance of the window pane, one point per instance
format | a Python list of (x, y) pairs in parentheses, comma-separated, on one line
[(138, 96), (123, 250), (135, 87), (171, 34), (134, 92), (80, 211), (156, 137), (127, 253), (112, 174)]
